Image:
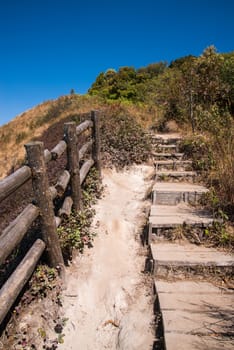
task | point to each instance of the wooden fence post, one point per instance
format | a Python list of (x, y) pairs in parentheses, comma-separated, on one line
[(73, 163), (35, 155), (96, 143)]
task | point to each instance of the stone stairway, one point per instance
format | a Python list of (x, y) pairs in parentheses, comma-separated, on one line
[(196, 314)]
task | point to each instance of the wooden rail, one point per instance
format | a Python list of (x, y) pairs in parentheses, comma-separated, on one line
[(43, 207)]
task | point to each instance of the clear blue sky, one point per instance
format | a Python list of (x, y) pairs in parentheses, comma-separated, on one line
[(48, 47)]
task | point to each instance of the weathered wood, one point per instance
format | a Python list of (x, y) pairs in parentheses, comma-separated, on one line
[(11, 289), (84, 149), (62, 182), (167, 155), (174, 173), (57, 221), (59, 149), (96, 143), (42, 194), (14, 233), (53, 192), (170, 146), (65, 210), (85, 169), (171, 162), (73, 163), (47, 155), (83, 126), (14, 181)]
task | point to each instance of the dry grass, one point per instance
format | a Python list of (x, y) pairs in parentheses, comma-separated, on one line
[(213, 156), (223, 174), (33, 123)]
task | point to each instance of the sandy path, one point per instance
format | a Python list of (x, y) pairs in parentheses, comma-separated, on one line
[(108, 302)]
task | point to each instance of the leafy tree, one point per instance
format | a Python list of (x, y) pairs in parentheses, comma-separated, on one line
[(189, 86), (195, 90), (126, 83), (212, 88), (181, 61), (152, 70)]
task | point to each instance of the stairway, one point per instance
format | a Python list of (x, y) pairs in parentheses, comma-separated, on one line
[(196, 314)]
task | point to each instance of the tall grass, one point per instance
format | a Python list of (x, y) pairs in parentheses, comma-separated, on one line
[(223, 172)]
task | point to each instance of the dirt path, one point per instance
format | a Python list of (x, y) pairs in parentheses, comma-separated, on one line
[(108, 301)]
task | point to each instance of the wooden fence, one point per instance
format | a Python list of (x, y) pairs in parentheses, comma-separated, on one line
[(44, 195)]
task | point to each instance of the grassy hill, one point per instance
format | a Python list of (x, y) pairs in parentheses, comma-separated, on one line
[(33, 123)]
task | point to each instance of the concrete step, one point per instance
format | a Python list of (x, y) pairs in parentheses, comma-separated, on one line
[(162, 174), (166, 217), (195, 315), (166, 147), (173, 164), (172, 193), (167, 255), (165, 155), (166, 138)]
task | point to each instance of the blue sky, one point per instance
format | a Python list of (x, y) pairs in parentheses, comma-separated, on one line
[(48, 47)]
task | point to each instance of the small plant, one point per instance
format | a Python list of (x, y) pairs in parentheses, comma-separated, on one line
[(220, 234), (75, 232), (43, 280)]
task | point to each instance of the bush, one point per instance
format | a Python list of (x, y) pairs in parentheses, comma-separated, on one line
[(124, 141), (198, 148)]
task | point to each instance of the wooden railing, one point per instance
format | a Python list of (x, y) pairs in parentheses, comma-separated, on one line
[(42, 206)]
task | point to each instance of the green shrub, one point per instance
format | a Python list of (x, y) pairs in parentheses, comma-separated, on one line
[(199, 150), (75, 232)]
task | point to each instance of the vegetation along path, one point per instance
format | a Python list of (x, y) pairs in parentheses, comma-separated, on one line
[(108, 301)]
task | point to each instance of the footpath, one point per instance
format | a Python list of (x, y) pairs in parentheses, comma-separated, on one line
[(195, 312), (108, 300)]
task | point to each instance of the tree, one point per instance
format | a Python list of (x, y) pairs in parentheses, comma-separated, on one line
[(212, 88), (152, 70), (227, 75)]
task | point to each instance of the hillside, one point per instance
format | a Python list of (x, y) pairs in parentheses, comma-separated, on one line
[(33, 123), (123, 139)]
